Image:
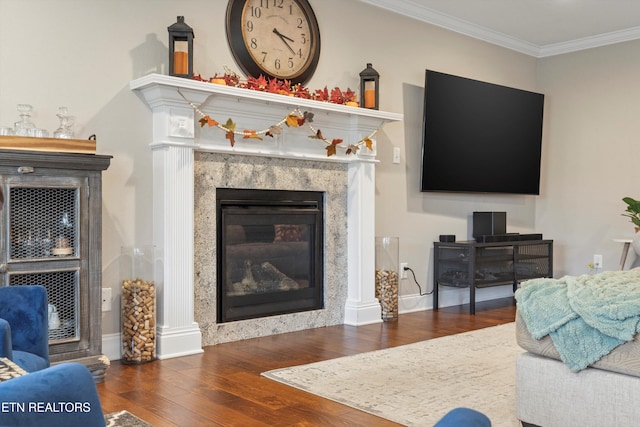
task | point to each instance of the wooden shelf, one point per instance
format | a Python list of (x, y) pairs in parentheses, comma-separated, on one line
[(83, 146)]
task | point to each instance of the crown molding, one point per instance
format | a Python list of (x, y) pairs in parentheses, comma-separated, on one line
[(430, 16), (590, 42)]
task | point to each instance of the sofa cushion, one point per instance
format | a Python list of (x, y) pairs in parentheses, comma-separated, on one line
[(548, 394), (62, 395), (25, 309), (28, 361), (624, 359)]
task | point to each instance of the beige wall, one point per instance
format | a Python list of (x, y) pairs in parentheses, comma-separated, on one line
[(83, 53), (591, 150)]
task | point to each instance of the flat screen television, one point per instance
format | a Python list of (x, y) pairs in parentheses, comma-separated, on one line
[(480, 137)]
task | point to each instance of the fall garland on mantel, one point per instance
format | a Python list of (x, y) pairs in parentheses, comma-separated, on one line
[(296, 118), (284, 87)]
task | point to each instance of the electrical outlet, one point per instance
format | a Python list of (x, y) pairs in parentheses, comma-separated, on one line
[(403, 272), (106, 299), (597, 261)]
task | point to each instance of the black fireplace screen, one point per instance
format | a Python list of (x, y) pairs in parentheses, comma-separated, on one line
[(270, 252)]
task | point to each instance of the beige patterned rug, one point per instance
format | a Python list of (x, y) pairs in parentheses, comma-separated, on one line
[(416, 384), (124, 419)]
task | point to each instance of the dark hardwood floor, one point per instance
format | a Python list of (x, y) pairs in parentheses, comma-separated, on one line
[(223, 386)]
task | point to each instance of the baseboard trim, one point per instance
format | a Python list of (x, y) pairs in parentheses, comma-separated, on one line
[(362, 314), (111, 346), (176, 342), (170, 343), (450, 297)]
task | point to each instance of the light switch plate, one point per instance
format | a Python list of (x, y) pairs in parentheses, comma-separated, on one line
[(396, 155)]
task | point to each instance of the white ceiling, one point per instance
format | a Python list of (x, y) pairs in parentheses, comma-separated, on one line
[(536, 27)]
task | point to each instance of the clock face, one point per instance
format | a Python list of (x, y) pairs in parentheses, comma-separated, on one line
[(276, 38)]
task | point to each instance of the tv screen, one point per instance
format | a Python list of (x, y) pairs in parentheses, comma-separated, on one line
[(480, 137)]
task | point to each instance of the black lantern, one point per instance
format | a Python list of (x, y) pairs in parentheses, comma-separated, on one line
[(369, 79), (181, 49)]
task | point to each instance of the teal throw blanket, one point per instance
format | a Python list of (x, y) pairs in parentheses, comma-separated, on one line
[(586, 316)]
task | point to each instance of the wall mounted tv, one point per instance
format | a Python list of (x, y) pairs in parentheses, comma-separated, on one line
[(480, 137)]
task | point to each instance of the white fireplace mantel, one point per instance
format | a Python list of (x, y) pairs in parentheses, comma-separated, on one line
[(177, 135)]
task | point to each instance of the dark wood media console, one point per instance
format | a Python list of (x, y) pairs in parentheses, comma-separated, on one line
[(480, 265)]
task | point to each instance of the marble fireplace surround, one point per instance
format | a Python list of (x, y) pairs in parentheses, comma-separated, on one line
[(189, 162)]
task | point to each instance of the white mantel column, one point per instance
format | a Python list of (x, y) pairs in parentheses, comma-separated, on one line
[(361, 307), (178, 333), (173, 224)]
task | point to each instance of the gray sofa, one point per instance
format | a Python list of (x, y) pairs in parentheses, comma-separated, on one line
[(549, 394)]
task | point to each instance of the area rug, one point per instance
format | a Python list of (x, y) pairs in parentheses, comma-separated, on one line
[(416, 384), (124, 419)]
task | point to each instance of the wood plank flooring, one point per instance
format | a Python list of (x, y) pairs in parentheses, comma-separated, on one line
[(223, 386)]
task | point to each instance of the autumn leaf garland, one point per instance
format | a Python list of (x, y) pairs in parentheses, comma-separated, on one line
[(284, 87), (294, 119)]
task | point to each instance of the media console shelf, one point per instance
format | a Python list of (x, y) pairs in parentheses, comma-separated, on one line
[(480, 265)]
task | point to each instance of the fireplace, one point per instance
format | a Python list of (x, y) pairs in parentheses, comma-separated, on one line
[(271, 252), (190, 162)]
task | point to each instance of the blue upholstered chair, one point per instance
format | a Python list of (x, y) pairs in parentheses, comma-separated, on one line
[(63, 395), (24, 327)]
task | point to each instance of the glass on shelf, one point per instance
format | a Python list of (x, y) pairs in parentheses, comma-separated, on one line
[(64, 242), (24, 127), (66, 121), (46, 243)]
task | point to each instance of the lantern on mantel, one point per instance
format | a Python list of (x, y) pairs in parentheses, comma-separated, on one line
[(369, 88), (181, 49)]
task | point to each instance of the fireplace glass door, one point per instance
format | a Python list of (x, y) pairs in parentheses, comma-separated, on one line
[(270, 253)]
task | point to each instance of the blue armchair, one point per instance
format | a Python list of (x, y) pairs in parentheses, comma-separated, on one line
[(63, 395), (24, 329)]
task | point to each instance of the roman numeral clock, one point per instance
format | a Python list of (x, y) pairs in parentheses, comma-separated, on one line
[(276, 38)]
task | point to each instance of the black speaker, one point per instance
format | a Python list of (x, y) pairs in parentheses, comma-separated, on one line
[(532, 236), (489, 223), (492, 238), (447, 238)]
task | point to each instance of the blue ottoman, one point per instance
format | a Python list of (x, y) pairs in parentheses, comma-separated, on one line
[(464, 417)]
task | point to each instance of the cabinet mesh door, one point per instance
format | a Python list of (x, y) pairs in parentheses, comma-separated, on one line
[(62, 292), (42, 222), (42, 240)]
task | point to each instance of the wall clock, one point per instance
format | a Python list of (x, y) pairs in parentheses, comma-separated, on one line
[(275, 38)]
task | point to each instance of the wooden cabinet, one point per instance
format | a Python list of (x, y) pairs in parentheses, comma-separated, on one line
[(51, 236), (478, 265)]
